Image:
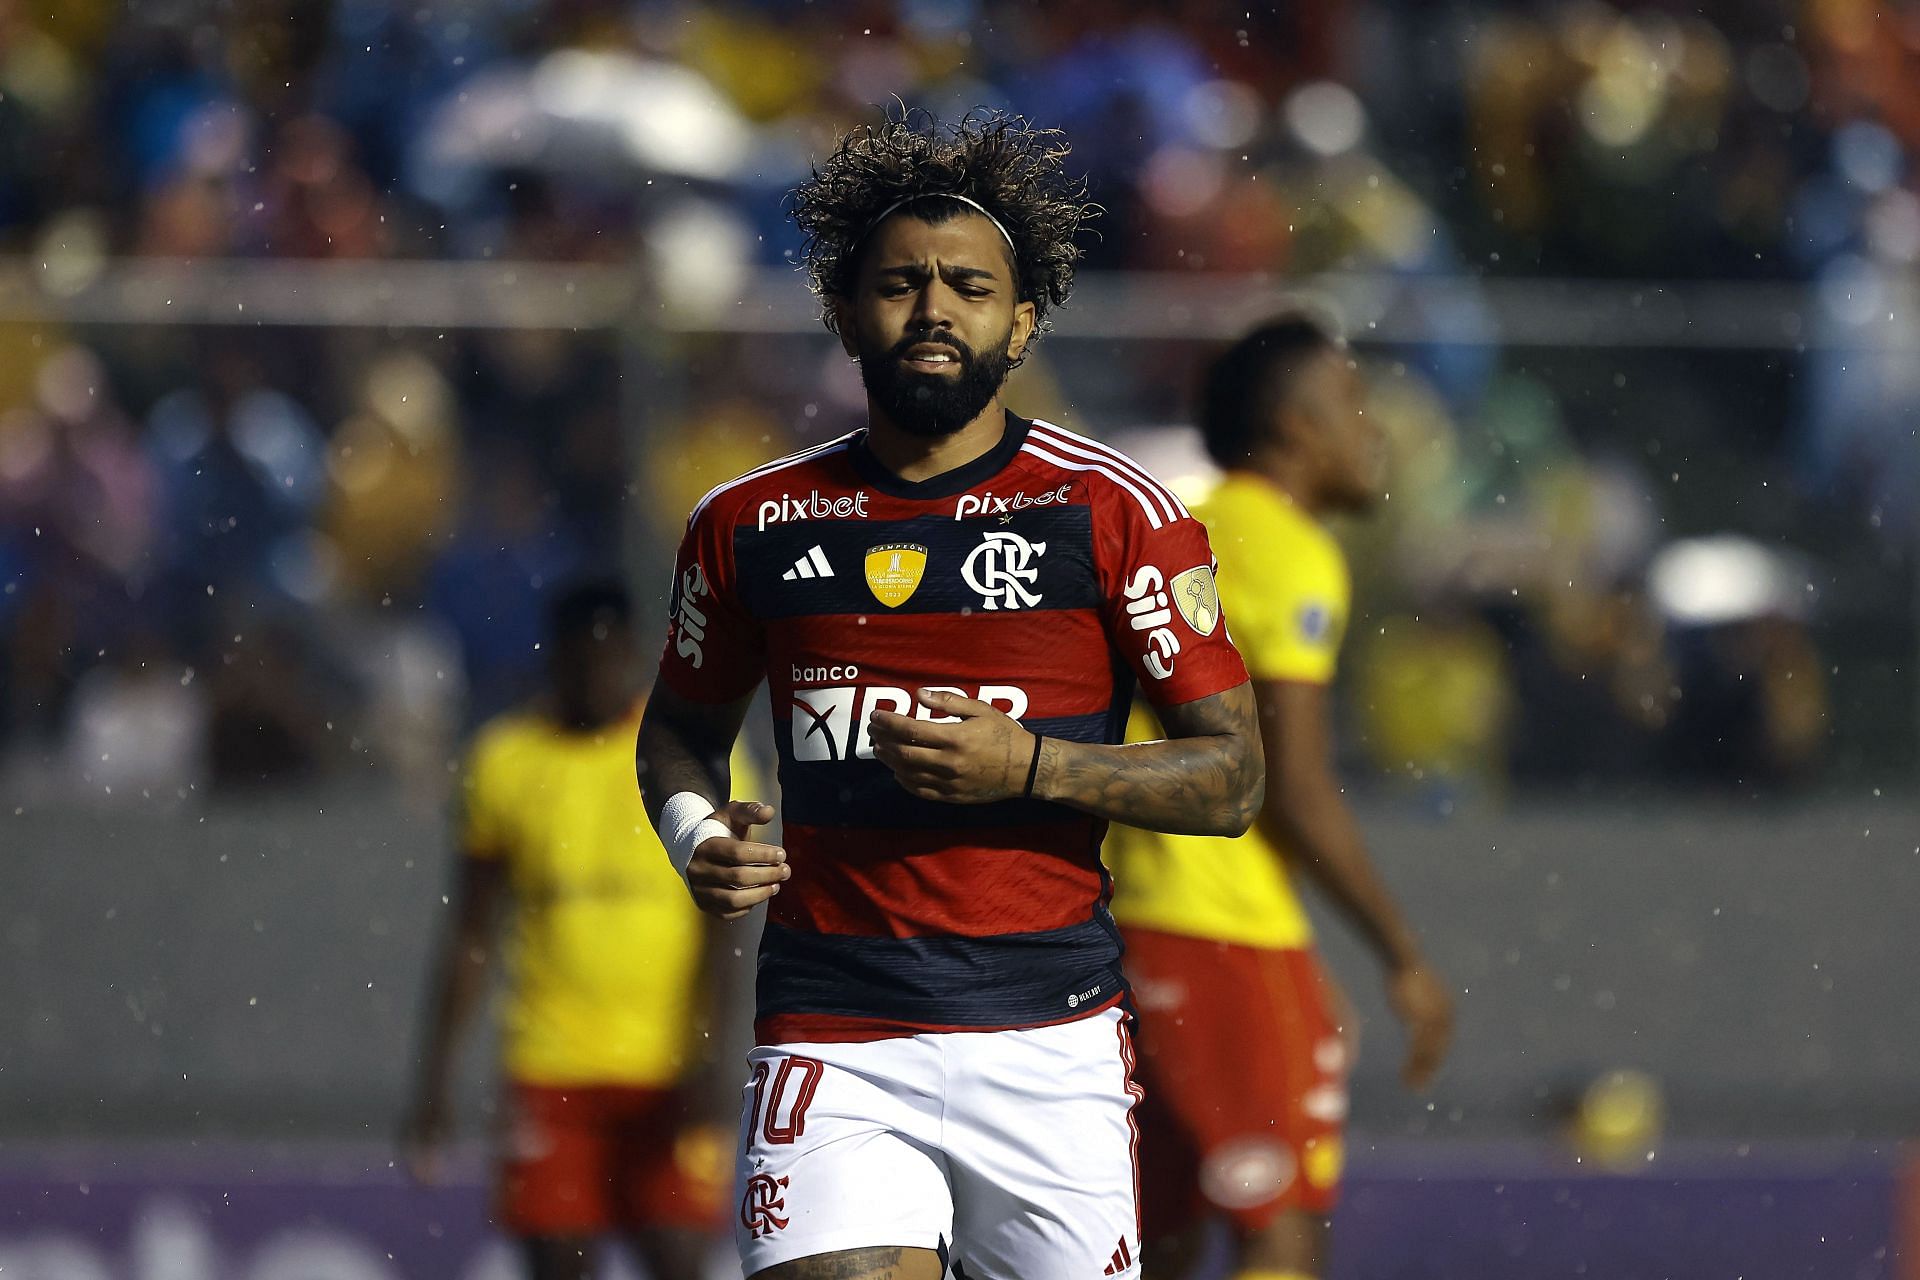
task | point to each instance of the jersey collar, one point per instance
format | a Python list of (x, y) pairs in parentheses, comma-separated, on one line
[(948, 483)]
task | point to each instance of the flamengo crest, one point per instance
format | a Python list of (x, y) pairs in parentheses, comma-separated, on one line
[(1001, 569), (762, 1207)]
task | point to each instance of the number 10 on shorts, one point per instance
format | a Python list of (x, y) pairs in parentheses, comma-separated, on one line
[(792, 1093)]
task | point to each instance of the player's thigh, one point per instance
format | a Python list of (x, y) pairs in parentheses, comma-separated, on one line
[(1202, 1077), (556, 1165), (1249, 1076), (1318, 1064), (1043, 1147), (670, 1174), (889, 1263), (838, 1154)]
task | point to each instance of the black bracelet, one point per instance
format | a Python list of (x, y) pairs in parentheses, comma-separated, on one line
[(1033, 768)]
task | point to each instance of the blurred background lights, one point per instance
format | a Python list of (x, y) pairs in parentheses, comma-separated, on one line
[(1224, 114), (1893, 226), (1179, 182), (1717, 580), (1325, 117), (71, 251), (1867, 155), (1777, 75), (1619, 1118), (1628, 87), (698, 252)]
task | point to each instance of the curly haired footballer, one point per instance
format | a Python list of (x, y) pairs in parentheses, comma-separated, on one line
[(1001, 162)]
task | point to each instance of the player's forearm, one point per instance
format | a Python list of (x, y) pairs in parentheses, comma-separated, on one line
[(459, 982), (669, 759), (1207, 780), (1309, 817), (1188, 786)]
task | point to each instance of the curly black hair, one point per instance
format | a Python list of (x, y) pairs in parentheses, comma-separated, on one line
[(1013, 169)]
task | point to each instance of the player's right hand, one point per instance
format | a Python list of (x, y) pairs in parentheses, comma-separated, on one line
[(730, 877)]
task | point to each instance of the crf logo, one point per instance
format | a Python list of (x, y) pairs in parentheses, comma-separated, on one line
[(1148, 611), (1001, 569), (692, 622), (832, 724), (814, 506), (762, 1205), (976, 504)]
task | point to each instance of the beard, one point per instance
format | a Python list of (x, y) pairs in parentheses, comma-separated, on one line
[(932, 405)]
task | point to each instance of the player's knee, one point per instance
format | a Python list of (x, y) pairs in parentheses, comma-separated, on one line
[(1173, 1255), (1292, 1244), (672, 1254), (559, 1257)]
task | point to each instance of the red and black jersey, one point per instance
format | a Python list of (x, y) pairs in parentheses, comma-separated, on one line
[(1045, 578)]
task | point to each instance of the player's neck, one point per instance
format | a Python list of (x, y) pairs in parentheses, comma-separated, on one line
[(594, 716), (1293, 477), (914, 457)]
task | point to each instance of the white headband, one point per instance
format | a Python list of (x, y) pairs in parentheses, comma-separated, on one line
[(944, 195)]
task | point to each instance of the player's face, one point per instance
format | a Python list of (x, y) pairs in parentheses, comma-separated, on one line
[(1349, 451), (934, 321), (594, 673)]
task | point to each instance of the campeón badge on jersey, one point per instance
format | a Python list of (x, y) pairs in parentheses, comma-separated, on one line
[(1198, 598), (894, 570)]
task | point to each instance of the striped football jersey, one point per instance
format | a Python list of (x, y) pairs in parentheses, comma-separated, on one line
[(1044, 578)]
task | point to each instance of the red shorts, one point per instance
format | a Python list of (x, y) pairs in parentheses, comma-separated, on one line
[(1246, 1079), (589, 1160)]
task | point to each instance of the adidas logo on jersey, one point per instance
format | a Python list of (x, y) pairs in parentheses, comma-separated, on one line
[(811, 565), (1122, 1260)]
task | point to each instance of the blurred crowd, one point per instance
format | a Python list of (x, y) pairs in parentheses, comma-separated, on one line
[(1772, 133), (278, 572), (236, 556)]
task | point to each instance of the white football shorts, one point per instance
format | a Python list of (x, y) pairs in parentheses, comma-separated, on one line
[(1013, 1153)]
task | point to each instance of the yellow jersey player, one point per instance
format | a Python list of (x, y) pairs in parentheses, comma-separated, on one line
[(1242, 1045), (604, 973)]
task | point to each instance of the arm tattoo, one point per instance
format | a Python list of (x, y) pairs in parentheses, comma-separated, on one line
[(1206, 778)]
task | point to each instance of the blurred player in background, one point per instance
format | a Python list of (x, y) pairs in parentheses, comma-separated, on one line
[(604, 979), (1244, 1049), (950, 609)]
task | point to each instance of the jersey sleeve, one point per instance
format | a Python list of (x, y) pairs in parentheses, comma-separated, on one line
[(1159, 601), (1289, 617), (715, 648), (484, 812)]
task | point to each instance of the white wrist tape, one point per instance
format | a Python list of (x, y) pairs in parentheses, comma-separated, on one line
[(686, 823)]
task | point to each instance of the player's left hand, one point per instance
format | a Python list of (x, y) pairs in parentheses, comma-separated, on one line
[(423, 1138), (980, 756), (1422, 1004)]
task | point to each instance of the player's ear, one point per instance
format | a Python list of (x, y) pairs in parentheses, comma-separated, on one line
[(1291, 424), (1025, 317), (842, 312)]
